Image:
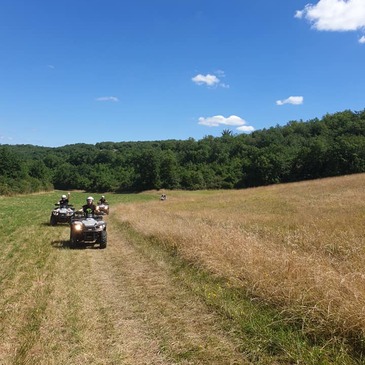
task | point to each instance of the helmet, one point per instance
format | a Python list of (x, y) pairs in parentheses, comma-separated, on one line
[(63, 196), (90, 198), (103, 196)]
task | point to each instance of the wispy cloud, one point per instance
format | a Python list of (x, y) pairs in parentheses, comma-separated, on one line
[(295, 100), (245, 128), (5, 138), (51, 67), (335, 15), (210, 80), (362, 40), (107, 98), (232, 120)]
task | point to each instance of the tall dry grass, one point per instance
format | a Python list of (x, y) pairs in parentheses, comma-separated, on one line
[(299, 246)]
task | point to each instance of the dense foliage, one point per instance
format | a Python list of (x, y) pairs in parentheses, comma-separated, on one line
[(332, 146)]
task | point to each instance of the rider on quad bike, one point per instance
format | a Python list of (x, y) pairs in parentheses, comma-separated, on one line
[(102, 200), (62, 212), (64, 200), (103, 205), (87, 226), (89, 208)]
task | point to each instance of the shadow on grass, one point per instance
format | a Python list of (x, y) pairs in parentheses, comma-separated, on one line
[(62, 244), (58, 225)]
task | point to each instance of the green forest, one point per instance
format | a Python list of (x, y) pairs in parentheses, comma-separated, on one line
[(331, 146)]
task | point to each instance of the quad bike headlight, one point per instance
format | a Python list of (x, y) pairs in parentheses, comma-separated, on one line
[(77, 227)]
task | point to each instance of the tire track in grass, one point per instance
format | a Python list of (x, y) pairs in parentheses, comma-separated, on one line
[(154, 319), (76, 327)]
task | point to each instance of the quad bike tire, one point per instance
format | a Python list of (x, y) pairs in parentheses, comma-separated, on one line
[(52, 220), (103, 239), (73, 242)]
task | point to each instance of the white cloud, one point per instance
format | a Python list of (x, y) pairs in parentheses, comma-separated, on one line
[(51, 67), (232, 120), (211, 80), (295, 100), (335, 15), (299, 14), (208, 79), (246, 128), (362, 39), (107, 98)]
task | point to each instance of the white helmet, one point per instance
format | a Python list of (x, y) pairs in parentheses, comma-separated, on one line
[(90, 198), (63, 196)]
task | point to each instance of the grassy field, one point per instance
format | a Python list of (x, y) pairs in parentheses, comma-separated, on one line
[(271, 275), (298, 248)]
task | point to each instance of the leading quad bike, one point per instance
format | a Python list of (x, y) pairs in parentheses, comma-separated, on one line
[(88, 229)]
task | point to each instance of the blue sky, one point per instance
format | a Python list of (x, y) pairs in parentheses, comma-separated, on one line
[(88, 71)]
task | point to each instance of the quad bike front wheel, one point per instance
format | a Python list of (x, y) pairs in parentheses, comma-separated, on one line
[(53, 220), (103, 239), (73, 241)]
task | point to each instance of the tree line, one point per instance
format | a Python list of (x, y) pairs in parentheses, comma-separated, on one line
[(331, 146)]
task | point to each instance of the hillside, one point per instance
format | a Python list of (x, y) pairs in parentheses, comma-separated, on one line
[(268, 275), (318, 148)]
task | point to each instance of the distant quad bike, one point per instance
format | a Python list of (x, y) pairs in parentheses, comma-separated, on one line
[(103, 208), (61, 214), (88, 229)]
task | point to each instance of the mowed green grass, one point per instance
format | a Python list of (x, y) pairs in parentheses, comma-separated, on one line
[(28, 257), (24, 226)]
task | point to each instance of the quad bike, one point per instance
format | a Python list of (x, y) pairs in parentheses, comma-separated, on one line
[(61, 214), (103, 208), (87, 229)]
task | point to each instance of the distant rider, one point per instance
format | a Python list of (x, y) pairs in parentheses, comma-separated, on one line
[(89, 207), (64, 200), (102, 200)]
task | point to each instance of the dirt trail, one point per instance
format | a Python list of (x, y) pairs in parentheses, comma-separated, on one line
[(153, 319), (121, 305)]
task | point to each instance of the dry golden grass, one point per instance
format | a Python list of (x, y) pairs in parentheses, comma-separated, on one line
[(298, 246)]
